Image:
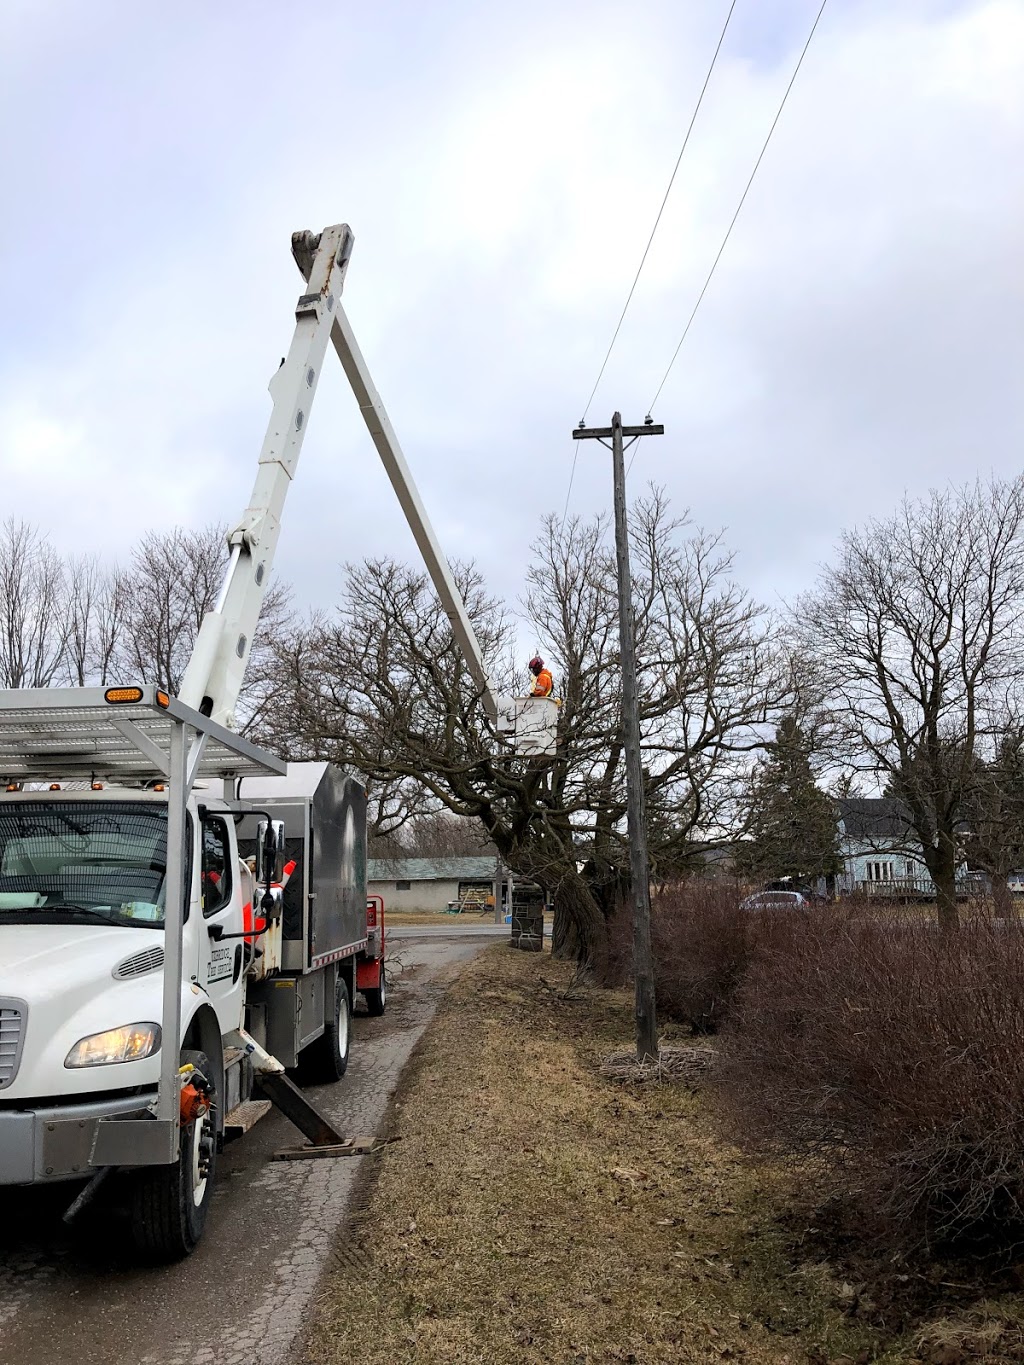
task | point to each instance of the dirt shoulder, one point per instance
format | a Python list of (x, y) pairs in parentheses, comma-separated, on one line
[(534, 1210)]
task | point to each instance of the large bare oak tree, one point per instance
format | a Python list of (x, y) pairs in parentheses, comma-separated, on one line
[(916, 637), (382, 685)]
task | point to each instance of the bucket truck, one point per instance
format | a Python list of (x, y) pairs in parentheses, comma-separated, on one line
[(183, 916)]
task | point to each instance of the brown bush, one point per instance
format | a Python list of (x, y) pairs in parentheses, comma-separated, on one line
[(701, 941), (897, 1051)]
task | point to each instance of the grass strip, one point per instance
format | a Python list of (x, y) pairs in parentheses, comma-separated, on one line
[(537, 1211)]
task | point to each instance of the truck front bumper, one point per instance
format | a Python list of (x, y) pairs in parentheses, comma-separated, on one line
[(42, 1144)]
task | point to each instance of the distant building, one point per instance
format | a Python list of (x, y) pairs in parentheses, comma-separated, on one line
[(716, 861), (882, 854), (878, 844), (429, 884)]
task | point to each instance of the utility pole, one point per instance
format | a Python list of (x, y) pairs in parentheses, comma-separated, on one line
[(496, 886), (643, 956)]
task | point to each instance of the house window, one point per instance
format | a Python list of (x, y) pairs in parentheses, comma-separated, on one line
[(911, 868), (880, 872), (403, 886)]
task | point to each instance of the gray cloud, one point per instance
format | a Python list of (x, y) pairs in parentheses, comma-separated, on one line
[(501, 170)]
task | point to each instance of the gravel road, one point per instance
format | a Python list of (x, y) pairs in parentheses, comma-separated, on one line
[(242, 1297)]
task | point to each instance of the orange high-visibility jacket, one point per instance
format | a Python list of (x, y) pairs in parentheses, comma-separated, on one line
[(542, 684)]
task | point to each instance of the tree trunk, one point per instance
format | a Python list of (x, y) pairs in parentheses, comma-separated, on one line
[(945, 890), (1002, 896), (579, 931)]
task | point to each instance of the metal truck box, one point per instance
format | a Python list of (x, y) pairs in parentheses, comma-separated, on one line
[(324, 899)]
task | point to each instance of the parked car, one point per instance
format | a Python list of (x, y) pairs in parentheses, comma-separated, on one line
[(775, 900)]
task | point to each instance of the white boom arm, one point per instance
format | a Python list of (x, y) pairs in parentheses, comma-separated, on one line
[(213, 679), (384, 438)]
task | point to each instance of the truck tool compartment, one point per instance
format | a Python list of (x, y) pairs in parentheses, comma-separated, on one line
[(324, 899)]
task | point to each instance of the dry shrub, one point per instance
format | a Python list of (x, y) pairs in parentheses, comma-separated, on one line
[(701, 941), (897, 1051)]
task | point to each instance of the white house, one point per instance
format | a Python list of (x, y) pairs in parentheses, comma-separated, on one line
[(880, 851)]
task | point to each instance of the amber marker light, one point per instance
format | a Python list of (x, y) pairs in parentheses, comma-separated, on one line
[(119, 695), (162, 699)]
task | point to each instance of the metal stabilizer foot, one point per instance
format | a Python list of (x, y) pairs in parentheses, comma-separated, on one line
[(361, 1146)]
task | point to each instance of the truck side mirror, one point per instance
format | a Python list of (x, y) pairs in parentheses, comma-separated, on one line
[(269, 851)]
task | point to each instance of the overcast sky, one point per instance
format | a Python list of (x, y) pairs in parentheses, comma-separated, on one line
[(501, 166)]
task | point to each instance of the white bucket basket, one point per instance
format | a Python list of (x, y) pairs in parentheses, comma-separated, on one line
[(534, 727)]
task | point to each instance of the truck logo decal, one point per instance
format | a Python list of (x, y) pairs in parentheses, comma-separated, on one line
[(220, 964)]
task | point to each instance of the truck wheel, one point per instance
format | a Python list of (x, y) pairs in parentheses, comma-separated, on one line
[(377, 999), (170, 1203), (327, 1059)]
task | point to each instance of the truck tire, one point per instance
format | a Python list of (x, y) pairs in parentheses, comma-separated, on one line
[(169, 1204), (326, 1059), (377, 999)]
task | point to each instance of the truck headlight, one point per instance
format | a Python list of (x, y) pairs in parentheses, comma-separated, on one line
[(129, 1043)]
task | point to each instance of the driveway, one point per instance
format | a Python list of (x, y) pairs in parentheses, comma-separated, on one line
[(480, 929)]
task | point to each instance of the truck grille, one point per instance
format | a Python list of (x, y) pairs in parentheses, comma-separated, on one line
[(11, 1030)]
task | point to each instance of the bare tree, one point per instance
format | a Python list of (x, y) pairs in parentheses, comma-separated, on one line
[(33, 608), (383, 686), (83, 623), (439, 834), (433, 834), (97, 601), (914, 634), (172, 582)]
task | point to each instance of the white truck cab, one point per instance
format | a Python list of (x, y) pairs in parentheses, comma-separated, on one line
[(144, 965)]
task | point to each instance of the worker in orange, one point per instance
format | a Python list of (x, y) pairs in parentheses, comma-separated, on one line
[(543, 683)]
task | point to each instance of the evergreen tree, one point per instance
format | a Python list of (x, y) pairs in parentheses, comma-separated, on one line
[(993, 815), (791, 822)]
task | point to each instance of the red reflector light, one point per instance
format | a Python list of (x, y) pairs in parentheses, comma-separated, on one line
[(55, 786)]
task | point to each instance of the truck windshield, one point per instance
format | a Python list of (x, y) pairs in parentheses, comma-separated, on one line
[(88, 862)]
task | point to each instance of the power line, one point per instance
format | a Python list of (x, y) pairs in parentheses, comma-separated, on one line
[(739, 206), (572, 475), (661, 210)]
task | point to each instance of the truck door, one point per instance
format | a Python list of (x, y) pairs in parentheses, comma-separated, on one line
[(221, 962)]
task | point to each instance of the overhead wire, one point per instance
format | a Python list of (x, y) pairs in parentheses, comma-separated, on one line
[(661, 210), (647, 248), (568, 495), (739, 206)]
